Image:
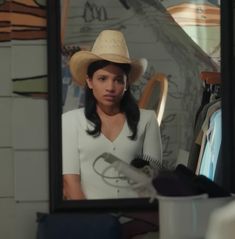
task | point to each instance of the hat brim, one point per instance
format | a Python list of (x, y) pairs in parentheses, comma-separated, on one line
[(80, 61)]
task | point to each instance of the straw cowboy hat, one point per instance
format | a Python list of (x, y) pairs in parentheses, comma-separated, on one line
[(110, 45)]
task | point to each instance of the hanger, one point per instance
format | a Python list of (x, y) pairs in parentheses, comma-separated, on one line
[(211, 78)]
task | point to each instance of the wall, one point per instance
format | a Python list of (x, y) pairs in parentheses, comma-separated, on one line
[(23, 120), (23, 140)]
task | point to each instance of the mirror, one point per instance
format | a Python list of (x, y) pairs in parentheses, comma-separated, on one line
[(180, 39)]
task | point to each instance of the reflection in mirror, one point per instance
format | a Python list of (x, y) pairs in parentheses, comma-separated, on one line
[(180, 39), (105, 141)]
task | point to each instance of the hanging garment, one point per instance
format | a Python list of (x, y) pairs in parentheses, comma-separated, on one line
[(213, 142), (202, 136), (197, 139)]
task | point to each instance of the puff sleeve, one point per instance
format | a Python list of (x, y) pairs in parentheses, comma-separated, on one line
[(70, 141), (152, 145)]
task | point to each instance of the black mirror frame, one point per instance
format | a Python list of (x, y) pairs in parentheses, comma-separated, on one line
[(56, 203), (228, 94)]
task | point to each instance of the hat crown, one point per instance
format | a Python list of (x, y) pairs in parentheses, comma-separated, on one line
[(111, 42), (110, 45)]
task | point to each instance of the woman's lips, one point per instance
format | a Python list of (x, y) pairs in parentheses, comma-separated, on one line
[(109, 97)]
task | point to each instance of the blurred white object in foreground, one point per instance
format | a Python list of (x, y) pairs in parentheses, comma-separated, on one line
[(187, 217), (222, 223)]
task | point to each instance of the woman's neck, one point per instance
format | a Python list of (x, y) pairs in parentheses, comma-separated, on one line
[(108, 111)]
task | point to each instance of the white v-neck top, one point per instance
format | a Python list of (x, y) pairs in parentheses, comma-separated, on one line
[(80, 151)]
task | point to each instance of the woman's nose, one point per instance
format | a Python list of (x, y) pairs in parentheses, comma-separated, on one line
[(110, 85)]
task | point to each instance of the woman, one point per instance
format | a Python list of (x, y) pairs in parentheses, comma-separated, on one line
[(110, 122)]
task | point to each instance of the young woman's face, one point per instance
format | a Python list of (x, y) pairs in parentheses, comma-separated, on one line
[(108, 85)]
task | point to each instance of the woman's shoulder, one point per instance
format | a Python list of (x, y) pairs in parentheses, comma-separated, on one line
[(74, 114), (146, 113), (147, 117)]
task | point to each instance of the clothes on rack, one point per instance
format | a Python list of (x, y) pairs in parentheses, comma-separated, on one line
[(203, 117), (205, 151), (207, 164)]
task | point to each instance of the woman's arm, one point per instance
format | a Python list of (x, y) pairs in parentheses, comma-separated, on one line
[(152, 146), (72, 188)]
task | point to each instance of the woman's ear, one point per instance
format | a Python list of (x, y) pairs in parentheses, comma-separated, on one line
[(89, 82)]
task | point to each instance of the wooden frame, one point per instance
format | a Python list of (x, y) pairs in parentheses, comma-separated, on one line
[(57, 204), (158, 80)]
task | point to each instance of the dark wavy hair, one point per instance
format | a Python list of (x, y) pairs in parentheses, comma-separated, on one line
[(128, 104)]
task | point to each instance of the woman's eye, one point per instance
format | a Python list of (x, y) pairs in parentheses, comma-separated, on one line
[(102, 78), (120, 81)]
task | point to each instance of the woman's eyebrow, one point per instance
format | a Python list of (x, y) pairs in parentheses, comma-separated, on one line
[(101, 74), (121, 75)]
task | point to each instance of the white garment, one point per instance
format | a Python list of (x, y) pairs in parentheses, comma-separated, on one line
[(80, 151), (222, 222)]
